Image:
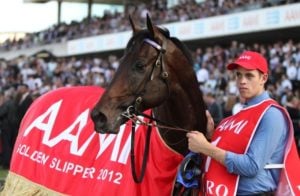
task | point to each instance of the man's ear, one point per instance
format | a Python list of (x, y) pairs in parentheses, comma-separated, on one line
[(265, 77)]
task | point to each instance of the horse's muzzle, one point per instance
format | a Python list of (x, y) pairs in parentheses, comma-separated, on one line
[(100, 121)]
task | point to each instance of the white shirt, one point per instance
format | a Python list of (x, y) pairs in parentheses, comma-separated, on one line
[(202, 75), (291, 72)]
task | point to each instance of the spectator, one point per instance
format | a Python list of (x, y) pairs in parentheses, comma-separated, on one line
[(202, 74), (23, 100), (214, 108), (8, 124), (230, 102), (293, 107), (238, 105)]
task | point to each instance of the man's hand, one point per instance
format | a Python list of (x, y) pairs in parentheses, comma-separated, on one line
[(197, 141), (199, 144)]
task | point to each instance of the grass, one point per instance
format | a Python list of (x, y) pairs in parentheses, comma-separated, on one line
[(3, 173)]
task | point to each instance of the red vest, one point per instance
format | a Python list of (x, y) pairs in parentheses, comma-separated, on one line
[(240, 128), (58, 149)]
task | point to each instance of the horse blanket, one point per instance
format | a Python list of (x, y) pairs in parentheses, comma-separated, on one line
[(58, 149)]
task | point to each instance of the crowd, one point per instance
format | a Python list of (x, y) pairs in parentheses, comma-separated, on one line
[(113, 21)]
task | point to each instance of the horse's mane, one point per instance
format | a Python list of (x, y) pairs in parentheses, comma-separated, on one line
[(178, 43), (184, 49)]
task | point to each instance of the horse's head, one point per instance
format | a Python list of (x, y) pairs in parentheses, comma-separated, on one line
[(139, 82), (143, 79)]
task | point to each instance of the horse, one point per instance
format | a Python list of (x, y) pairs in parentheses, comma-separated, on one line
[(132, 141), (156, 72)]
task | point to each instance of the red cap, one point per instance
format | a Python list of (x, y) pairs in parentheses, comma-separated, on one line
[(250, 60)]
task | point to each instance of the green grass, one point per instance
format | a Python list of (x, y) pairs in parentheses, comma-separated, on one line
[(3, 173)]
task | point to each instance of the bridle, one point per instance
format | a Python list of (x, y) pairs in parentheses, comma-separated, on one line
[(159, 63), (132, 112)]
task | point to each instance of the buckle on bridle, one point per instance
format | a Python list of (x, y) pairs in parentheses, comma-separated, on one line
[(129, 113)]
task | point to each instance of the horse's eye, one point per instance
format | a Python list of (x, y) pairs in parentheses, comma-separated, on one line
[(139, 66)]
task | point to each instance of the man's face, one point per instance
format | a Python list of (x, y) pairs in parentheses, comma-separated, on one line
[(250, 82), (22, 89)]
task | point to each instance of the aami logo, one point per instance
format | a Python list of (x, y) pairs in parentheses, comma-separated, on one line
[(72, 132), (232, 125), (245, 57)]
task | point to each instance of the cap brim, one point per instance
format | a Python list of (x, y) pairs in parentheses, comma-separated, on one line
[(233, 66)]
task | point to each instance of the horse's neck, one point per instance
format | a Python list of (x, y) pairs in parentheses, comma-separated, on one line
[(179, 110)]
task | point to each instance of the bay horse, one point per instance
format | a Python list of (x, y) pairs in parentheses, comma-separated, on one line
[(142, 118), (156, 72)]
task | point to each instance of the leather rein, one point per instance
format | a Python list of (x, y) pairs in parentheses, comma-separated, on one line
[(132, 113)]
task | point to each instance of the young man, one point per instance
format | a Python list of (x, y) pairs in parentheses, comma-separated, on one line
[(247, 150)]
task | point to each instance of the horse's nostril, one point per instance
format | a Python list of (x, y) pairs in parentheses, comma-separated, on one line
[(99, 120), (94, 114), (102, 118)]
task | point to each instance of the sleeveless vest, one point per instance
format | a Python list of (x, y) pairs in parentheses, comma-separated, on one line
[(241, 128)]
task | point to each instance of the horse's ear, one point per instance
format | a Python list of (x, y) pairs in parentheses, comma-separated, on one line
[(133, 26), (150, 26)]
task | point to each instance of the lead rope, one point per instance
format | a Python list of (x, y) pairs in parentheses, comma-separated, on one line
[(136, 120), (139, 179)]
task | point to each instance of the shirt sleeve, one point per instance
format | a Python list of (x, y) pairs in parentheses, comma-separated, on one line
[(271, 133)]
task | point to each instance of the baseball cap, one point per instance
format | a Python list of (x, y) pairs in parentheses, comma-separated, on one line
[(250, 60)]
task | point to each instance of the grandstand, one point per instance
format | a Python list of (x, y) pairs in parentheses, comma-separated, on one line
[(243, 22), (90, 3)]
